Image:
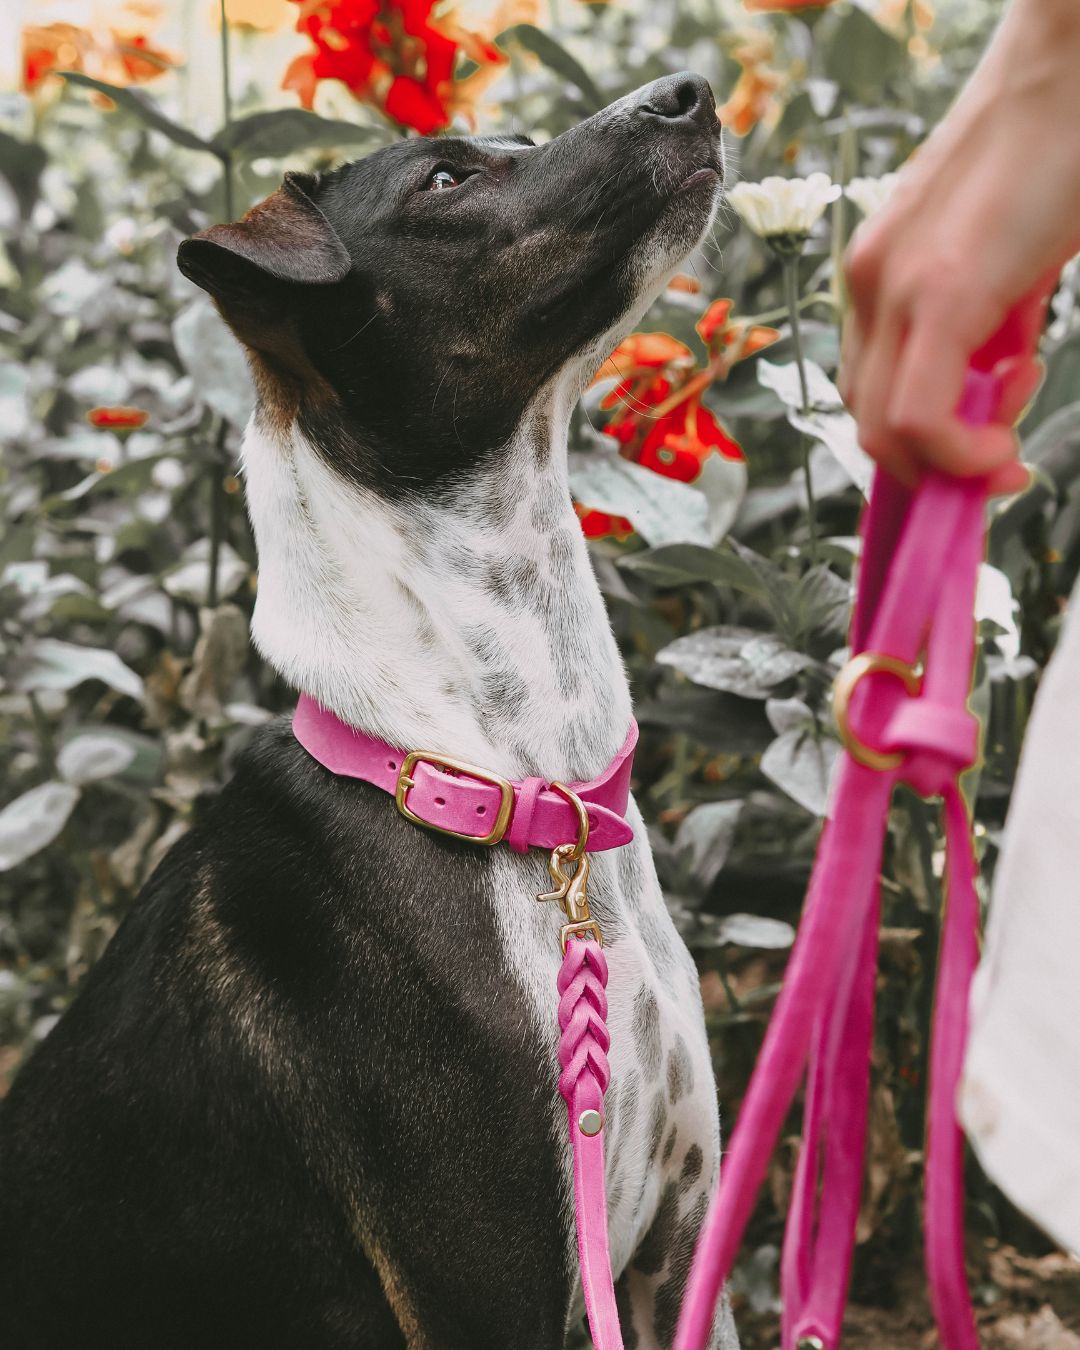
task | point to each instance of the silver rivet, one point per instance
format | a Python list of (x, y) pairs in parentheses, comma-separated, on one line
[(590, 1122), (810, 1343)]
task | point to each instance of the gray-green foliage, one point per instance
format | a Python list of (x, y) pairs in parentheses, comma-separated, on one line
[(125, 697)]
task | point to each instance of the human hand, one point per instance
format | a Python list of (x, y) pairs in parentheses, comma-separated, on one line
[(975, 233)]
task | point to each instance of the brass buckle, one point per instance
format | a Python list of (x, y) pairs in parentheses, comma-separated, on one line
[(869, 663), (405, 782)]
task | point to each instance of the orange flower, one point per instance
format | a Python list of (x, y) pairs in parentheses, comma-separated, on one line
[(391, 53), (641, 352), (719, 333), (681, 282), (760, 6), (120, 53), (753, 99), (117, 419)]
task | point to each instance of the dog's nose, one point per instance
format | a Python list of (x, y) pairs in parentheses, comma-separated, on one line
[(680, 98)]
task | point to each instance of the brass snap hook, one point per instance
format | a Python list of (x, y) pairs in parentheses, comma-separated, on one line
[(569, 869)]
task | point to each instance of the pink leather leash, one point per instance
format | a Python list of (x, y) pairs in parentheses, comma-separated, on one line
[(583, 1082), (915, 603)]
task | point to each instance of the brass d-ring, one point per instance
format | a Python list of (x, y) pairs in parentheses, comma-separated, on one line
[(869, 663), (582, 817)]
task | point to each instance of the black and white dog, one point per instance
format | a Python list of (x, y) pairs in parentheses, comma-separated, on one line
[(307, 1098)]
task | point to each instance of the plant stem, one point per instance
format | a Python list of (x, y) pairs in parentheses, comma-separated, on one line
[(790, 263), (217, 511), (782, 311), (217, 458), (226, 114)]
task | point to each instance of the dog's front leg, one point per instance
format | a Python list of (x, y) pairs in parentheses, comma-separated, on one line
[(651, 1289)]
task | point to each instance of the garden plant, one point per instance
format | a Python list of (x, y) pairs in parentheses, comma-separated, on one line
[(715, 470)]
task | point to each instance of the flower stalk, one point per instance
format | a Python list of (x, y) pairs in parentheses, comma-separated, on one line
[(217, 455), (790, 266)]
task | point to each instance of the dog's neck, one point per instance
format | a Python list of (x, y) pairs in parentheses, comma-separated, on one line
[(471, 625)]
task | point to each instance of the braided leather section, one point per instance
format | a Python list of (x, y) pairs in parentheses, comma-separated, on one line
[(584, 1043)]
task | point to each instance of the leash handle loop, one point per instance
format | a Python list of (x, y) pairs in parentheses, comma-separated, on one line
[(915, 603)]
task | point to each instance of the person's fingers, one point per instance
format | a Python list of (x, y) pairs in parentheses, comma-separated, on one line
[(872, 390), (862, 270), (968, 452), (1020, 376), (902, 465), (850, 353), (1009, 479)]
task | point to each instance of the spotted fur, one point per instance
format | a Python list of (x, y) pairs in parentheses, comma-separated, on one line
[(307, 1098)]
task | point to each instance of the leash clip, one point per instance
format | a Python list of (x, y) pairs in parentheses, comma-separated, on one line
[(569, 869)]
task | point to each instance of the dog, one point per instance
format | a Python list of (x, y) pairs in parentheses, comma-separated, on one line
[(307, 1097)]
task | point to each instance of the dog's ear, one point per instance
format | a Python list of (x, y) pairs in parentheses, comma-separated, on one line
[(282, 242)]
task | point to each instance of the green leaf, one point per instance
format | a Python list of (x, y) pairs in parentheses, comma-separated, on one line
[(705, 837), (662, 510), (94, 755), (801, 764), (215, 361), (32, 821), (783, 380), (754, 930), (556, 58), (1061, 383), (681, 564), (819, 602), (736, 660), (22, 164), (862, 57), (63, 665), (282, 132), (144, 108)]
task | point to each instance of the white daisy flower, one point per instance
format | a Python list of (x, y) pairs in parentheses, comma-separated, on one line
[(871, 194), (787, 208)]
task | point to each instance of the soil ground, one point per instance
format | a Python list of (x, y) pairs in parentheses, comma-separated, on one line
[(1025, 1303)]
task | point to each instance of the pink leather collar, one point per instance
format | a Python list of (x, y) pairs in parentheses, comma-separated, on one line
[(467, 802)]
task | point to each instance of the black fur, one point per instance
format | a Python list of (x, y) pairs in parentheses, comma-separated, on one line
[(435, 317), (298, 1103), (268, 1062)]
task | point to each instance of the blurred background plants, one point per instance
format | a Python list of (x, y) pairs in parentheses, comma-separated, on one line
[(715, 468)]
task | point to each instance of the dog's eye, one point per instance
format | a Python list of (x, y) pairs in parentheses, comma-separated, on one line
[(442, 179)]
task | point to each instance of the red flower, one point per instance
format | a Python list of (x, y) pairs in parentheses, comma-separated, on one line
[(391, 53), (682, 440), (601, 525), (117, 419), (718, 332), (660, 422)]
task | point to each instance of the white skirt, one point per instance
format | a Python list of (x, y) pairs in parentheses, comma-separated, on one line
[(1020, 1094)]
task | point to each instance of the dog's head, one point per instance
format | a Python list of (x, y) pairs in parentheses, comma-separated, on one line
[(408, 307)]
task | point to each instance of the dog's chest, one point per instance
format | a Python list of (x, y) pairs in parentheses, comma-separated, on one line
[(661, 1113)]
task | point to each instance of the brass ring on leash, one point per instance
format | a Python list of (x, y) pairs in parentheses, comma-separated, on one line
[(869, 663)]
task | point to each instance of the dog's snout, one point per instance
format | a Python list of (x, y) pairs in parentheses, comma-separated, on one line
[(680, 98)]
